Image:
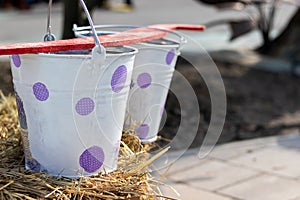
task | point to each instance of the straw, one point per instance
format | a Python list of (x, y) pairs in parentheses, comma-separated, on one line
[(132, 180)]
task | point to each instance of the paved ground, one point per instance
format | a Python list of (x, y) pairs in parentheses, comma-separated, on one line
[(259, 169)]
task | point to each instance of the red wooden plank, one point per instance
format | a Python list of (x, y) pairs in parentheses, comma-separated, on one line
[(118, 39), (188, 27)]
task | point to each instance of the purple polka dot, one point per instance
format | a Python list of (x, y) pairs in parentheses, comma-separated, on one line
[(119, 79), (16, 60), (85, 106), (144, 80), (92, 159), (170, 56), (34, 165), (40, 91), (142, 131)]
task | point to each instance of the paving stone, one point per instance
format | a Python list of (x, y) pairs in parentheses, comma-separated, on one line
[(289, 141), (212, 175), (265, 187), (189, 193), (234, 149), (173, 162), (297, 198), (278, 160)]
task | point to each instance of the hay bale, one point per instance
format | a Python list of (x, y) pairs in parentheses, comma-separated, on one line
[(132, 180)]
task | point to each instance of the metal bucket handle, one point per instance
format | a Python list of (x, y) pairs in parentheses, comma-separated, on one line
[(49, 36), (98, 52)]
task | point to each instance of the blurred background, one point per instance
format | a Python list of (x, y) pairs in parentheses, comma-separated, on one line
[(142, 13)]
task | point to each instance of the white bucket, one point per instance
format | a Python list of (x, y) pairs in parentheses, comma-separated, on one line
[(72, 110), (151, 78)]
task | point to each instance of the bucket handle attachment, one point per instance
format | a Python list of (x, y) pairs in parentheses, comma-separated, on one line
[(98, 52)]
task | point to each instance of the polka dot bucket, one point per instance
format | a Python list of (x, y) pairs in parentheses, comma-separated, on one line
[(151, 77), (71, 109)]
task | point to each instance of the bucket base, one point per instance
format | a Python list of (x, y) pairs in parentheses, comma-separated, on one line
[(149, 140)]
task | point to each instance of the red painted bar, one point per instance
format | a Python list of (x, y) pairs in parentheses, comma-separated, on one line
[(118, 39)]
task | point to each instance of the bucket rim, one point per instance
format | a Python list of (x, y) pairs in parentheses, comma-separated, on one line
[(64, 54), (80, 31)]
